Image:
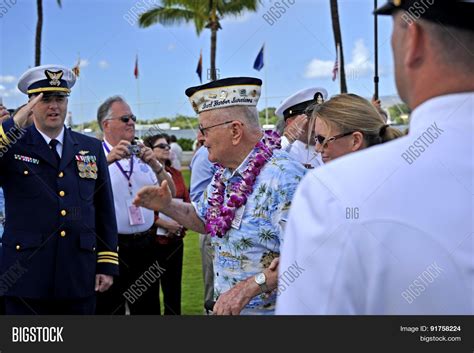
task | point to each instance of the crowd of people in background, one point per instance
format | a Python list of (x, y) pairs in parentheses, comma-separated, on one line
[(317, 200)]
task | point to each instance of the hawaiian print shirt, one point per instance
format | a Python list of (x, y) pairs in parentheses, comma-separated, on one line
[(248, 250)]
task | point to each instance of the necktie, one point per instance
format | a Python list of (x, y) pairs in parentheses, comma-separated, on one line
[(52, 144)]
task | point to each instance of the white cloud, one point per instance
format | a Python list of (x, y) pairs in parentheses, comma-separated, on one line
[(103, 64), (171, 46), (7, 79), (359, 66), (5, 92), (319, 69), (83, 63)]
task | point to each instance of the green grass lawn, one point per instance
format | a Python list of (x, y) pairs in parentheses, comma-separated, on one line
[(192, 296)]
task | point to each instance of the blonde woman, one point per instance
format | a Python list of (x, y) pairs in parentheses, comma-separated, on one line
[(348, 123)]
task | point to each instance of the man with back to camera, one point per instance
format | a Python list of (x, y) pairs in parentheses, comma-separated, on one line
[(378, 240), (60, 233)]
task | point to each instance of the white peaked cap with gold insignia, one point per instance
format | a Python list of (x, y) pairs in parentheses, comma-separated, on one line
[(297, 103), (225, 93), (47, 79)]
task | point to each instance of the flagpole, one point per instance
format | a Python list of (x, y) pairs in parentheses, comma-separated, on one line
[(266, 89), (138, 99), (338, 48), (376, 56), (80, 87), (137, 77)]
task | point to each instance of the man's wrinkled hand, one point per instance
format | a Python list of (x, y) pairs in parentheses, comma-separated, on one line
[(233, 301), (154, 197)]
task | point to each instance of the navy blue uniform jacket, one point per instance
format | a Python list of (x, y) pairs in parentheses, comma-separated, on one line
[(60, 227)]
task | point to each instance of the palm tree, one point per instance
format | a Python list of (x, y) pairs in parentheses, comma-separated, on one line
[(39, 30), (266, 235), (245, 243), (204, 14), (336, 27)]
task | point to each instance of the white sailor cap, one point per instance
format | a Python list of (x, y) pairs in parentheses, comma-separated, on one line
[(225, 93), (47, 79), (297, 103)]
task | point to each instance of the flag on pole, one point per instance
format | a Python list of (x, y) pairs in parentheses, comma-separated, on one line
[(77, 68), (335, 70), (135, 71), (258, 64), (199, 67)]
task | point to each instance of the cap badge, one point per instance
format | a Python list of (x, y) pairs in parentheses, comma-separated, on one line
[(318, 97), (54, 76)]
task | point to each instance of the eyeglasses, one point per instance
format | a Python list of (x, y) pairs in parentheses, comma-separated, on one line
[(163, 146), (323, 141), (126, 118), (203, 129)]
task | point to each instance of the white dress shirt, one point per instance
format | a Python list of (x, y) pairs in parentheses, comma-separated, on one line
[(142, 175), (305, 154), (59, 138), (388, 230)]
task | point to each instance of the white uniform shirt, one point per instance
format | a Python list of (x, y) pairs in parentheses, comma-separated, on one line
[(177, 153), (388, 230), (142, 175), (301, 152)]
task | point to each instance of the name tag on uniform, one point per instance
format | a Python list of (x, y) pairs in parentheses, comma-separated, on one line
[(135, 214), (239, 213)]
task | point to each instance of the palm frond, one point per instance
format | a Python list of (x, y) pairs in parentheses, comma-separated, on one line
[(168, 16)]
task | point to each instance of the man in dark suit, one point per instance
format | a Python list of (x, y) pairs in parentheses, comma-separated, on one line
[(60, 240)]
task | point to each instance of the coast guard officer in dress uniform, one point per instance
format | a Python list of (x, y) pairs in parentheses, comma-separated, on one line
[(297, 137), (394, 235), (60, 240)]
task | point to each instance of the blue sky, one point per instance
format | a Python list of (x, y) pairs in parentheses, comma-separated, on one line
[(299, 52)]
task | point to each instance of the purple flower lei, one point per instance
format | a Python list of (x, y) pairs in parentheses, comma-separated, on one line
[(219, 217)]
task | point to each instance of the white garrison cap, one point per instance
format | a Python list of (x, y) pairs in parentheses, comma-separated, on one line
[(224, 93), (298, 102), (47, 79)]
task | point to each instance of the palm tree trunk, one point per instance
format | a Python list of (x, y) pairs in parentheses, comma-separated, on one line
[(39, 27), (336, 27), (214, 26), (213, 52)]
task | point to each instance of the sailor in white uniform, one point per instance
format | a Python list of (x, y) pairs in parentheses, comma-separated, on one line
[(389, 230), (297, 137)]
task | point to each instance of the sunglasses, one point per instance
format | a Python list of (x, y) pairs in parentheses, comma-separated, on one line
[(126, 118), (163, 146), (203, 129), (324, 141)]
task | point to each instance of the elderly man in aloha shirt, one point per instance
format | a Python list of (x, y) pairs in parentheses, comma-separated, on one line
[(246, 205)]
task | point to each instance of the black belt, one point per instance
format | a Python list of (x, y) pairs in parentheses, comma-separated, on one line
[(135, 236)]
